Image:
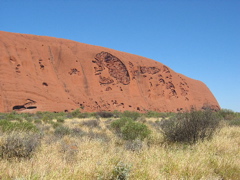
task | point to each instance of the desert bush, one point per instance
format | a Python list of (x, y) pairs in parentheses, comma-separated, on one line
[(76, 113), (117, 114), (60, 119), (190, 127), (15, 116), (152, 114), (2, 116), (39, 114), (105, 114), (18, 145), (6, 125), (61, 131), (47, 118), (131, 114), (234, 122), (133, 130), (85, 115), (11, 116), (37, 121), (25, 116), (61, 114), (121, 171), (30, 119), (119, 123), (130, 129), (227, 114)]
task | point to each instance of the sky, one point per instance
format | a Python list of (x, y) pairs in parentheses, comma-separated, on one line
[(197, 38)]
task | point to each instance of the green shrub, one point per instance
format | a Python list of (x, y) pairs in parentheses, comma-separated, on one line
[(131, 114), (30, 119), (2, 116), (130, 129), (85, 115), (47, 118), (134, 130), (154, 114), (190, 127), (14, 116), (117, 114), (17, 126), (234, 122), (61, 114), (11, 116), (18, 145), (60, 119), (119, 123), (76, 113), (37, 121), (227, 114), (105, 114)]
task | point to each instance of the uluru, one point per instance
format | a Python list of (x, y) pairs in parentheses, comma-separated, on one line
[(39, 73)]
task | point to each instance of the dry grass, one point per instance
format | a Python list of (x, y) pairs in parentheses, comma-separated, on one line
[(88, 157)]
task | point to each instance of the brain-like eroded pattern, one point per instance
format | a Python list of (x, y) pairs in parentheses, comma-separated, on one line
[(115, 66)]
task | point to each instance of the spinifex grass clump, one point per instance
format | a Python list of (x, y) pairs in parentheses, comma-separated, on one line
[(190, 127), (129, 129)]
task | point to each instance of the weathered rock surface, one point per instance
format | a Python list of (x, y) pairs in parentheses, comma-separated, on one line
[(40, 73)]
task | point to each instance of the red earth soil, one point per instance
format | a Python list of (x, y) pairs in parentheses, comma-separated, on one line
[(39, 73)]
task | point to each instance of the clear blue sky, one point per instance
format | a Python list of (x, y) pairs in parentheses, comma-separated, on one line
[(197, 38)]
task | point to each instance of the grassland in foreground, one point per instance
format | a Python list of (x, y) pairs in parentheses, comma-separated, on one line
[(87, 146)]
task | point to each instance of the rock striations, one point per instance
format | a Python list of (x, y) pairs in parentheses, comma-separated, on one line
[(40, 73)]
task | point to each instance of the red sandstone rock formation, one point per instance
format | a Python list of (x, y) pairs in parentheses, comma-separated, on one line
[(40, 73)]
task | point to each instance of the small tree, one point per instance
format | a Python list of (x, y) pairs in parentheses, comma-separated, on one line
[(190, 127)]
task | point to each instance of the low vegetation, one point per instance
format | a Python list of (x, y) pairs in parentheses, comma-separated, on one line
[(114, 145)]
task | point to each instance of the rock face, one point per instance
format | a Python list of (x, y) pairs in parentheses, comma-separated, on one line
[(40, 73)]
